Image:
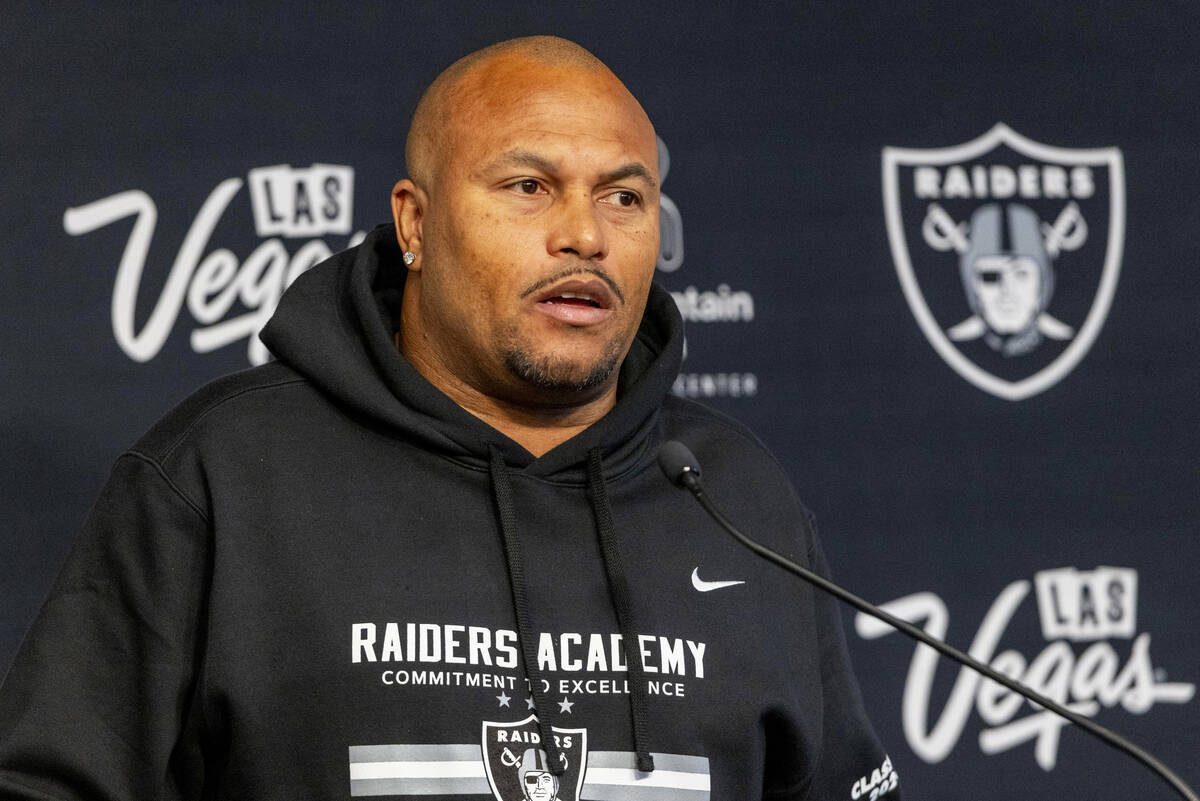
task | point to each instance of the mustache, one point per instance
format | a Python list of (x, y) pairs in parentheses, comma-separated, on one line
[(579, 269)]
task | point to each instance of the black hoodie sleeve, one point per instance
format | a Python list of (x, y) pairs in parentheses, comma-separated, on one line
[(98, 703), (852, 765)]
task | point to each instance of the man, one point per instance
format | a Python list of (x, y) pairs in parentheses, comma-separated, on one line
[(309, 581)]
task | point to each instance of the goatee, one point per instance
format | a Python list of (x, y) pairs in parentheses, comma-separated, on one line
[(548, 373)]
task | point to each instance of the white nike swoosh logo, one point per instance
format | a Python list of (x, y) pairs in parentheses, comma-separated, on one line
[(708, 586)]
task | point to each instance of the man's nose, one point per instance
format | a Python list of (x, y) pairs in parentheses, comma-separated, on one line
[(577, 227)]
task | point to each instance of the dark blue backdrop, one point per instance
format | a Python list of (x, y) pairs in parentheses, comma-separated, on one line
[(776, 118)]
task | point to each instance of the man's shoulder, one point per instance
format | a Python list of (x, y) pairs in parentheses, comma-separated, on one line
[(226, 408), (722, 443), (738, 468), (686, 420)]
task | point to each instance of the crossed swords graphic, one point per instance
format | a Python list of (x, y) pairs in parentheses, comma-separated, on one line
[(1068, 232), (513, 761)]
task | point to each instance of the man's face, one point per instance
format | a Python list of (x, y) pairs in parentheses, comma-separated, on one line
[(540, 235), (539, 786), (1009, 291)]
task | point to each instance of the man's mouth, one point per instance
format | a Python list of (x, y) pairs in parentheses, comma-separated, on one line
[(573, 299), (579, 301)]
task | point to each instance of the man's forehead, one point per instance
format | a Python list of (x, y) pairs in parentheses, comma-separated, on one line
[(517, 97), (513, 88), (529, 88)]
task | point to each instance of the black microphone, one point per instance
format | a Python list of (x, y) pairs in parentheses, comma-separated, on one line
[(682, 469)]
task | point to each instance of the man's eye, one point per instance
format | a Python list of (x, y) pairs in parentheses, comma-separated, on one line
[(625, 199), (527, 186)]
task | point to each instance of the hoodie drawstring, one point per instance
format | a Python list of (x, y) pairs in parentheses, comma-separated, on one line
[(618, 589), (516, 578)]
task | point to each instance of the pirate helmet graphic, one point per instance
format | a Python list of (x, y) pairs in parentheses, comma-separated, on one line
[(1007, 275), (537, 782), (1006, 271), (1029, 235), (518, 769)]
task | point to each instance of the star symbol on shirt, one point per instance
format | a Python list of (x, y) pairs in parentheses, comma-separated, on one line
[(529, 702), (564, 706), (503, 698)]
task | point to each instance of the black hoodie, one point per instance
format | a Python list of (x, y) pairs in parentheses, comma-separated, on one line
[(322, 578)]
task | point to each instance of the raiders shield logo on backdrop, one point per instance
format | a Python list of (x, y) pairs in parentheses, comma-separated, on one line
[(1008, 252), (516, 764)]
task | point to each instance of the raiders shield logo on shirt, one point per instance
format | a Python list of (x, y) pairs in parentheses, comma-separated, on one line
[(516, 763), (1008, 252)]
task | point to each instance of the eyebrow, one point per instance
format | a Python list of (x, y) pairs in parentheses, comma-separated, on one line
[(528, 158), (632, 170)]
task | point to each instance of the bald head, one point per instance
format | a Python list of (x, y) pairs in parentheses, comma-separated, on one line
[(462, 93)]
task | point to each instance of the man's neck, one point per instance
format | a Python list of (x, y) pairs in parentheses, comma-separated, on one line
[(538, 428), (539, 432)]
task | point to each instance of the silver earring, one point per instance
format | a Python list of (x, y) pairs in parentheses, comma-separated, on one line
[(409, 257)]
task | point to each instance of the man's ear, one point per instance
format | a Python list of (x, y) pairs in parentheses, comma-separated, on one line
[(408, 212)]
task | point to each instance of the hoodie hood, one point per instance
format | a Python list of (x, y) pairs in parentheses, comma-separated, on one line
[(335, 326)]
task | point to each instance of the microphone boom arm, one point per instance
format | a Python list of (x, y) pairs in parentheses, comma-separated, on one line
[(688, 477)]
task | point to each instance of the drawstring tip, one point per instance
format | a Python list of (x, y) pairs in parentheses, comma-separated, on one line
[(645, 762), (556, 760)]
